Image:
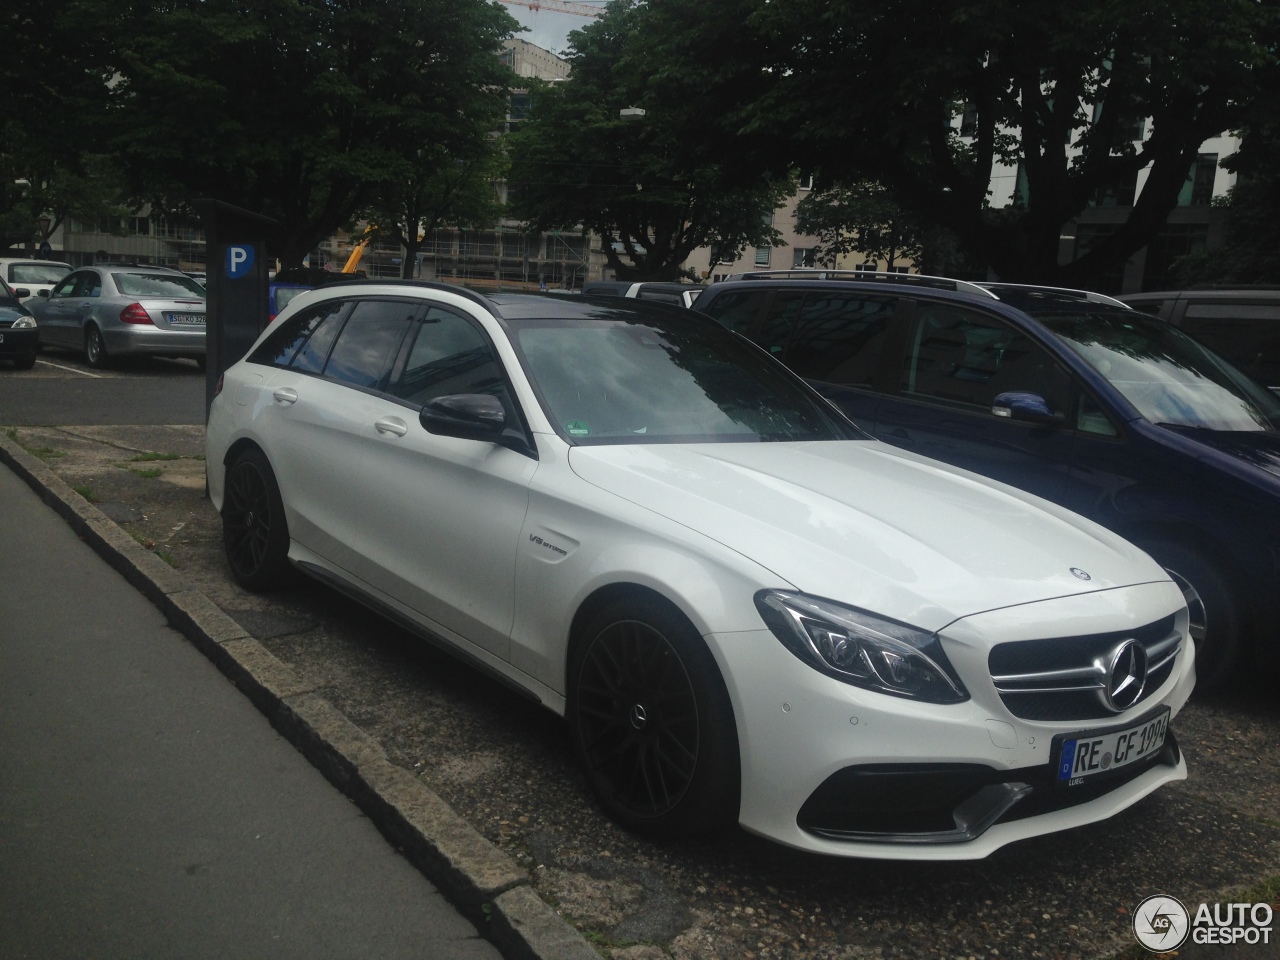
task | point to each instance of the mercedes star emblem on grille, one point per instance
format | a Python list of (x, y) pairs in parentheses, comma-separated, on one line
[(1126, 675)]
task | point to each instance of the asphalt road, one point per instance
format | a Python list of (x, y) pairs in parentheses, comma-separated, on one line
[(147, 809), (61, 388)]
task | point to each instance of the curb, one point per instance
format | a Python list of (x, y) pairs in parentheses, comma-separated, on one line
[(478, 878)]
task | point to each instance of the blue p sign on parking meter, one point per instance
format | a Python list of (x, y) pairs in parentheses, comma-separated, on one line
[(239, 260)]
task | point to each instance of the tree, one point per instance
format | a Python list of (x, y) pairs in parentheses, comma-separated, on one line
[(55, 82), (296, 109), (862, 218), (1251, 251), (435, 190), (856, 92), (652, 195)]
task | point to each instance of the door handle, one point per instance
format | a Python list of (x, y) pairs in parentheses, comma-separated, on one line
[(391, 425), (286, 395)]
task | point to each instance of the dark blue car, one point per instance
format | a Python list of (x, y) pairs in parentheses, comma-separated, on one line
[(1073, 397)]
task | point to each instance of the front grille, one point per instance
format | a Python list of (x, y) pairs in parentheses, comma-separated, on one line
[(1065, 678)]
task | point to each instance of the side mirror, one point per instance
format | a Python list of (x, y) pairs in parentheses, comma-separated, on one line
[(21, 293), (1028, 407), (469, 416), (43, 293)]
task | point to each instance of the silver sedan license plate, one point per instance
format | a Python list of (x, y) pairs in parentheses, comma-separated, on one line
[(1084, 756), (187, 318)]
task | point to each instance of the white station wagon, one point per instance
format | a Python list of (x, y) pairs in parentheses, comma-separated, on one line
[(747, 610)]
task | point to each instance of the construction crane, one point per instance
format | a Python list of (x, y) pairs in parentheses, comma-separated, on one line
[(559, 6)]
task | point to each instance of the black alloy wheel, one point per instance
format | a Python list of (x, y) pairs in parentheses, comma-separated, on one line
[(652, 723), (254, 531)]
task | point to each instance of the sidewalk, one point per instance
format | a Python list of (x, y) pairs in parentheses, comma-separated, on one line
[(147, 809)]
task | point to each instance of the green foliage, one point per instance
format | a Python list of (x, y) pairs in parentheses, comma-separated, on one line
[(52, 155), (439, 188), (861, 218), (650, 190), (859, 92), (297, 109), (1251, 251)]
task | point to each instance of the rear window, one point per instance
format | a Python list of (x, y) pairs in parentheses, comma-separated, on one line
[(20, 273), (160, 285)]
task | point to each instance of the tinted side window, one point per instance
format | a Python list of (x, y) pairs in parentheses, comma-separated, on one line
[(64, 288), (840, 336), (88, 284), (965, 357), (281, 345), (776, 328), (449, 355), (369, 341), (736, 309)]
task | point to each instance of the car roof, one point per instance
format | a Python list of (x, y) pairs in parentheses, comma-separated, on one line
[(119, 265), (5, 261), (523, 305)]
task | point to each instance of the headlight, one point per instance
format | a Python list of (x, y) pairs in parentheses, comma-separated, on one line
[(861, 648), (24, 323)]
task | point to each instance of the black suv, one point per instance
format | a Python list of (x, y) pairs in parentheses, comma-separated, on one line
[(1070, 395)]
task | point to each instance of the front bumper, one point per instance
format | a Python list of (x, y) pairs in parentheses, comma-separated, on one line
[(18, 343), (836, 769)]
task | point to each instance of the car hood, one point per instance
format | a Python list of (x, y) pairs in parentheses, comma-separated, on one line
[(869, 525), (1258, 448)]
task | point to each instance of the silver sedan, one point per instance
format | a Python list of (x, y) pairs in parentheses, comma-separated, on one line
[(112, 309)]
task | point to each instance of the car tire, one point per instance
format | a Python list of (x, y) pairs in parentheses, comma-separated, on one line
[(652, 723), (1217, 619), (255, 534), (26, 361), (95, 347)]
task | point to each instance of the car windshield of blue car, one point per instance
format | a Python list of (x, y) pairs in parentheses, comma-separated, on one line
[(1169, 377), (612, 381), (159, 285)]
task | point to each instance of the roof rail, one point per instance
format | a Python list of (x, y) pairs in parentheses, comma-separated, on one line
[(1067, 293), (869, 276)]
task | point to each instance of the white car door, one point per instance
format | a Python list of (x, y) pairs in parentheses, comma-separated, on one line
[(316, 421), (442, 518)]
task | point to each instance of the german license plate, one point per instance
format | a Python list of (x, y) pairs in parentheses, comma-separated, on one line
[(188, 318), (1083, 756)]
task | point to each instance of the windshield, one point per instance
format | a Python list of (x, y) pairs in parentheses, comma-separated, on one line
[(166, 285), (1169, 377), (21, 273), (655, 380)]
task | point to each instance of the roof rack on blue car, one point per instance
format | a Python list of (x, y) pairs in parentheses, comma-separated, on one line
[(869, 276), (1007, 291)]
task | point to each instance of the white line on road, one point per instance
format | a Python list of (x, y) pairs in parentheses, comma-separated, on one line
[(83, 373)]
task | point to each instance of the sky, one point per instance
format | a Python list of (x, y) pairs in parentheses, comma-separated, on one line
[(547, 28)]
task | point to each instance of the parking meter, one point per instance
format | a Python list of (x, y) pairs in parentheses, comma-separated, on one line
[(237, 278)]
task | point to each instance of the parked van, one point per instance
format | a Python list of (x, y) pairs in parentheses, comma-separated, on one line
[(1239, 323)]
